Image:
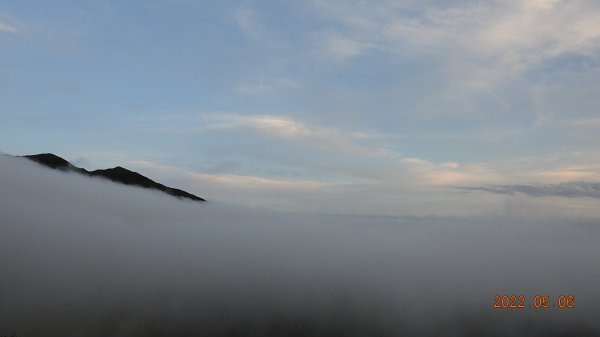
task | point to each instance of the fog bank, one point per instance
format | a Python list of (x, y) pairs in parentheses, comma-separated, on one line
[(87, 257)]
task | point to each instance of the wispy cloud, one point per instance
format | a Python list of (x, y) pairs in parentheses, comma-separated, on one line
[(292, 129), (7, 28), (247, 21), (246, 181), (567, 189), (490, 39), (358, 155), (340, 48), (426, 172), (252, 26)]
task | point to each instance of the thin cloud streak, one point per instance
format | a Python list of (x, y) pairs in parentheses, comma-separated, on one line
[(346, 141), (244, 181), (565, 189)]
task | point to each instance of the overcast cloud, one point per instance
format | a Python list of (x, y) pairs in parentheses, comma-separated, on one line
[(87, 257)]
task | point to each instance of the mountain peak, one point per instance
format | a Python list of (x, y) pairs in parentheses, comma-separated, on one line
[(116, 174), (50, 160)]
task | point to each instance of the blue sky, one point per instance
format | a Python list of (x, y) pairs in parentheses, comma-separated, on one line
[(378, 107)]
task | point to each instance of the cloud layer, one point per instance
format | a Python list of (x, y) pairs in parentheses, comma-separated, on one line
[(90, 258)]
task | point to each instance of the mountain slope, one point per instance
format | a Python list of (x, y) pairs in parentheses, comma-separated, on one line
[(53, 161), (117, 174)]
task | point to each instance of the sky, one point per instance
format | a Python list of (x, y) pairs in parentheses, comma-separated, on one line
[(371, 167), (338, 107)]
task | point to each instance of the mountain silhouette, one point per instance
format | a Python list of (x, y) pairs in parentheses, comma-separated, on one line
[(117, 174)]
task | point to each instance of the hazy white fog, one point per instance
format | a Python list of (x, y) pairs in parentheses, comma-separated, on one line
[(86, 257)]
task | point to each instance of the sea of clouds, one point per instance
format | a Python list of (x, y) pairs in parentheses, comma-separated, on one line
[(86, 257)]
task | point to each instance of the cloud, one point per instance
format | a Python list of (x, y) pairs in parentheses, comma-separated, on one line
[(252, 26), (245, 181), (6, 28), (291, 129), (385, 183), (340, 48), (362, 145), (293, 154), (87, 257), (272, 125), (483, 41), (566, 189), (247, 21), (426, 172), (352, 155)]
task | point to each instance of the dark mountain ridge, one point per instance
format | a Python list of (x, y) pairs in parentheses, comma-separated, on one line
[(117, 174)]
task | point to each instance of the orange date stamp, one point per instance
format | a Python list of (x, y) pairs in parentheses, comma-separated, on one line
[(538, 302)]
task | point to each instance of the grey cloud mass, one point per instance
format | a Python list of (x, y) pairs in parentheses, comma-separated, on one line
[(85, 257), (565, 189)]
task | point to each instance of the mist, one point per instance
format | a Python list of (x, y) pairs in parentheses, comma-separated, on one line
[(86, 257)]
